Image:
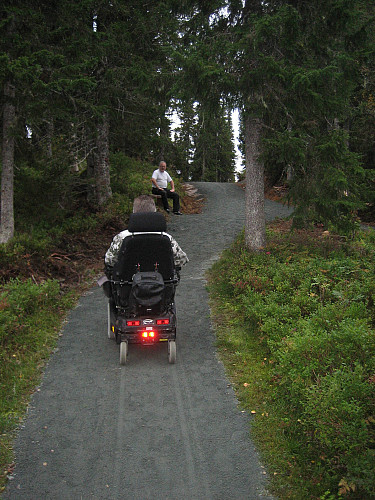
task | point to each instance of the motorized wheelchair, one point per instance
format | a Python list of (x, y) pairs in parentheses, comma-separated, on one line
[(141, 287)]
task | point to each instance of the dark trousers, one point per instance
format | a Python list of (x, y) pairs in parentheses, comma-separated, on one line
[(165, 194)]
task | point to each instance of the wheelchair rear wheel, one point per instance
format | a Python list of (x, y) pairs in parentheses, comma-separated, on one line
[(172, 351), (123, 352)]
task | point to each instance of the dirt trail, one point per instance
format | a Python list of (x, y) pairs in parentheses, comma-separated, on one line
[(147, 430)]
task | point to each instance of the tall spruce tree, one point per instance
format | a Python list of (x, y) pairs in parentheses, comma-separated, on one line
[(7, 172), (19, 44), (214, 155), (184, 137), (201, 81), (296, 67), (249, 91), (305, 70)]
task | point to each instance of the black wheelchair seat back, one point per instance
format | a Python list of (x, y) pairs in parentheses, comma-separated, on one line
[(145, 253)]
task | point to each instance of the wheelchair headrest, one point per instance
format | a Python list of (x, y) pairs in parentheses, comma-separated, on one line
[(143, 222)]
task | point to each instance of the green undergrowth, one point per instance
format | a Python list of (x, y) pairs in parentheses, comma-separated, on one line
[(30, 321), (296, 330)]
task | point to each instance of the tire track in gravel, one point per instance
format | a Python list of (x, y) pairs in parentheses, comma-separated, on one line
[(147, 430)]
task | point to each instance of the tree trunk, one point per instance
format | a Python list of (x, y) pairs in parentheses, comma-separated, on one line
[(289, 168), (255, 225), (101, 166), (7, 175), (74, 148), (203, 175), (49, 136)]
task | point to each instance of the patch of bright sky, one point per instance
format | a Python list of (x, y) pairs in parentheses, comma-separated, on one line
[(236, 133), (175, 122)]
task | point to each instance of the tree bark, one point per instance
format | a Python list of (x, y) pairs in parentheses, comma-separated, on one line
[(101, 167), (7, 174), (255, 224), (49, 136)]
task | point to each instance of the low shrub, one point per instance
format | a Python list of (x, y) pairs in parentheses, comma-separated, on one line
[(22, 246), (20, 302), (339, 430), (307, 303), (129, 176)]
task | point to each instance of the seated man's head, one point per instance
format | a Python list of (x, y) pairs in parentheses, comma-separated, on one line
[(144, 203)]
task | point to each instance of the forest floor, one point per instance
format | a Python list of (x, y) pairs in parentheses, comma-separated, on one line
[(79, 258)]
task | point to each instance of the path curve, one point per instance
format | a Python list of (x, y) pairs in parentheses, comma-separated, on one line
[(147, 430)]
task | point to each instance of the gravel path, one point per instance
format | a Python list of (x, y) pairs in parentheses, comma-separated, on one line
[(147, 430)]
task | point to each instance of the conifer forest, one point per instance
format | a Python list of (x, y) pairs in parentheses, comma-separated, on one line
[(87, 84)]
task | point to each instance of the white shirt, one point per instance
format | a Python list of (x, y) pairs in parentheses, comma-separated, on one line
[(162, 178)]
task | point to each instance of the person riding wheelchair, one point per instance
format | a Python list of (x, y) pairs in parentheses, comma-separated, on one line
[(141, 285)]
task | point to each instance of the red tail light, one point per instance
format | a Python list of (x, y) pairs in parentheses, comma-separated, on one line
[(162, 321), (133, 323), (149, 334)]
